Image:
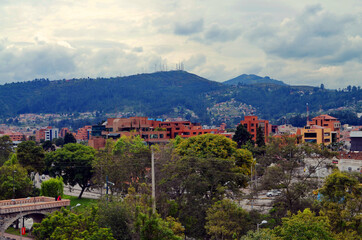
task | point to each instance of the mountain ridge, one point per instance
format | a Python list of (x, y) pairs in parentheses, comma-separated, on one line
[(170, 94), (252, 79)]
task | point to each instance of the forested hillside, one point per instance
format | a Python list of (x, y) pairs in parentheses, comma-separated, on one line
[(274, 101), (252, 79), (176, 94), (148, 94)]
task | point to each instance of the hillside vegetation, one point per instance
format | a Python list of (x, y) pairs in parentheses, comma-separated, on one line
[(174, 94)]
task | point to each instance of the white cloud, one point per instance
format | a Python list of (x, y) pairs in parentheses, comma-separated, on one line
[(299, 42)]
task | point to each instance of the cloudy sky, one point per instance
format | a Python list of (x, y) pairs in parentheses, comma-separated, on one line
[(305, 42)]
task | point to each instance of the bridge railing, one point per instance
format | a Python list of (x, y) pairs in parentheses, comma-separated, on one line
[(25, 200), (23, 206)]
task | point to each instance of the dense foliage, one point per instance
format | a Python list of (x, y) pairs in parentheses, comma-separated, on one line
[(14, 181), (52, 188), (73, 163), (196, 172), (67, 225), (5, 148), (31, 156)]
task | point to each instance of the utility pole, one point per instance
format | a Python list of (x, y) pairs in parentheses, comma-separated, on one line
[(153, 181), (107, 182), (107, 187), (251, 185), (14, 184)]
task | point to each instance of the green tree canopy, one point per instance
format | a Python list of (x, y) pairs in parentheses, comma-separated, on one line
[(5, 148), (73, 163), (198, 171), (31, 156), (67, 225), (260, 138), (342, 202), (117, 217), (69, 138), (52, 188), (305, 225), (48, 146), (282, 164), (242, 136), (225, 220), (14, 177), (124, 162)]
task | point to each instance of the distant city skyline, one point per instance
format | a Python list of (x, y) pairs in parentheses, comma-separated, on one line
[(298, 42)]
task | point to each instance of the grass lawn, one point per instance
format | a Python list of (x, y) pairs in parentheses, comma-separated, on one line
[(14, 231), (83, 201)]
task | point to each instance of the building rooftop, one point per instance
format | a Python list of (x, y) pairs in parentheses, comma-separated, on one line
[(356, 134), (325, 116)]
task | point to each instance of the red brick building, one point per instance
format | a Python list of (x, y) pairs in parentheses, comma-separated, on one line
[(151, 130), (251, 124), (84, 133), (63, 131), (15, 136)]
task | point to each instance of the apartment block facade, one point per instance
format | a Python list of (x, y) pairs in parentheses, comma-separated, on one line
[(251, 124), (151, 130), (330, 122), (316, 134)]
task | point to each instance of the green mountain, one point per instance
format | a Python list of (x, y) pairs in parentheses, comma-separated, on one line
[(252, 79), (176, 94), (143, 94)]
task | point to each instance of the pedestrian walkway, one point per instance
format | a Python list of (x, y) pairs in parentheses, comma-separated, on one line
[(15, 237)]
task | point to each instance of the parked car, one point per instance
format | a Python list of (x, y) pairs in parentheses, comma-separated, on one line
[(273, 193), (335, 161)]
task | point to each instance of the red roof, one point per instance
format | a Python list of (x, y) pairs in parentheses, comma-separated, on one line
[(325, 116)]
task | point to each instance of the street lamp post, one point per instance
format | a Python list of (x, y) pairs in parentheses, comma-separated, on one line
[(78, 204), (14, 184), (258, 224)]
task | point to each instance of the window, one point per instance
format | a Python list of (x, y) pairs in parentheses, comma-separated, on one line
[(252, 130), (252, 124), (154, 136), (161, 135), (310, 135)]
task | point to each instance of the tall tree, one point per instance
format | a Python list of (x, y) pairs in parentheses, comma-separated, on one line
[(225, 220), (69, 138), (117, 217), (5, 148), (52, 188), (48, 146), (342, 202), (286, 173), (242, 136), (124, 162), (197, 172), (73, 163), (305, 225), (14, 180), (260, 138), (31, 156), (67, 225)]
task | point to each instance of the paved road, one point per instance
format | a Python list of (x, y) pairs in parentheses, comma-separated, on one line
[(15, 237)]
